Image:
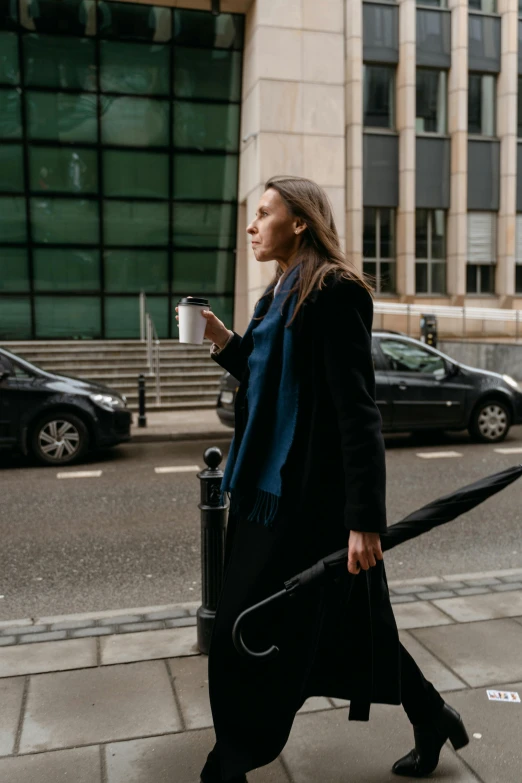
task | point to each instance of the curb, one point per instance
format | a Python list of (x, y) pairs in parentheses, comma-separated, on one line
[(163, 437)]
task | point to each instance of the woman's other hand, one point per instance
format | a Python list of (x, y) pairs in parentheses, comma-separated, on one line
[(364, 549), (216, 331)]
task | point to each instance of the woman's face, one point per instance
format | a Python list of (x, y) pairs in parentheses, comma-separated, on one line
[(275, 232)]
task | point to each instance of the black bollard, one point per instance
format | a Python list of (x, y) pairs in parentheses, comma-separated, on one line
[(213, 521), (142, 419)]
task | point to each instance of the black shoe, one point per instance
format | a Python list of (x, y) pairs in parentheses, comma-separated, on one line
[(429, 739)]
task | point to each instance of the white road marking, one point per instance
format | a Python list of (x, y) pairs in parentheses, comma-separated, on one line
[(512, 450), (80, 474), (178, 469), (438, 454)]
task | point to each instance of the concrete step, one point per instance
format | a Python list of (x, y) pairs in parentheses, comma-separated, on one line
[(132, 377)]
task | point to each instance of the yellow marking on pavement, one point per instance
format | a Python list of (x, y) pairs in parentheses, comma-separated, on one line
[(178, 469), (512, 450), (438, 454), (80, 474)]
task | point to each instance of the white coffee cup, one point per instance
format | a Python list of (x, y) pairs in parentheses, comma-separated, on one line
[(192, 323)]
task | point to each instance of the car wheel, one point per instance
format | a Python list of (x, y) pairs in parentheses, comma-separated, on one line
[(490, 421), (59, 439)]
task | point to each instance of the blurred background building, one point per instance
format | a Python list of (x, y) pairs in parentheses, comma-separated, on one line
[(135, 139)]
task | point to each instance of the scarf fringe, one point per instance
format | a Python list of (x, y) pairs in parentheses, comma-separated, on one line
[(265, 508)]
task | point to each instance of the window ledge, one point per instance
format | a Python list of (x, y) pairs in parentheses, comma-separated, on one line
[(480, 137), (478, 12), (429, 135), (379, 131)]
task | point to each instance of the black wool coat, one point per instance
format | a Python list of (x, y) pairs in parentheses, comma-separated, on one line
[(340, 640)]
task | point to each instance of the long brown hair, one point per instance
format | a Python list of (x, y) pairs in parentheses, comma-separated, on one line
[(320, 252)]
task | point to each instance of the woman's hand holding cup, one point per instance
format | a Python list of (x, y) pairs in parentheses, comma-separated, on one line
[(215, 330)]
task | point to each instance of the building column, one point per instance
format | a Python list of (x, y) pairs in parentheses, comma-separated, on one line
[(405, 115), (457, 246), (507, 132), (354, 131), (293, 116)]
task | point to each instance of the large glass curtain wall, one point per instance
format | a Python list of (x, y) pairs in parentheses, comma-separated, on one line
[(119, 131)]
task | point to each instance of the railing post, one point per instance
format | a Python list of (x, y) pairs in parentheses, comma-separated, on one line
[(213, 519), (158, 376), (142, 418), (517, 327), (142, 316), (409, 320)]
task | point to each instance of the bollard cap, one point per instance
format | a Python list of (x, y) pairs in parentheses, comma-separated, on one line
[(213, 457)]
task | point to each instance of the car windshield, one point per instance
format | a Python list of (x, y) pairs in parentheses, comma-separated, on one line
[(408, 357), (22, 368)]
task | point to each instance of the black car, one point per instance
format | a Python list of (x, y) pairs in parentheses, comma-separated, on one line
[(54, 417), (420, 388)]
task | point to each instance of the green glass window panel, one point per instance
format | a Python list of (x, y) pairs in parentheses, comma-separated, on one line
[(9, 70), (142, 22), (122, 317), (62, 117), (137, 69), (68, 317), (64, 221), (143, 174), (207, 73), (136, 270), (136, 122), (205, 271), (10, 115), (12, 168), (205, 177), (136, 223), (206, 126), (8, 14), (205, 225), (60, 63), (62, 17), (14, 269), (15, 318), (12, 220), (63, 170), (68, 269), (199, 28)]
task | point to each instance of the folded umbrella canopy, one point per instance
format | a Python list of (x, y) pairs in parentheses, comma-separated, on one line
[(426, 518)]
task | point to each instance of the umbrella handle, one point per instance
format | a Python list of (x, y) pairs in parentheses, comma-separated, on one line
[(237, 636)]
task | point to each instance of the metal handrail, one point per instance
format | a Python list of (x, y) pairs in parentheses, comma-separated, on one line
[(153, 354), (143, 312)]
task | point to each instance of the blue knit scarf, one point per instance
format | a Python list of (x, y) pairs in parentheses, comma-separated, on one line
[(253, 471)]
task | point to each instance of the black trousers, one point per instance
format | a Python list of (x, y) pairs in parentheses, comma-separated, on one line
[(421, 702)]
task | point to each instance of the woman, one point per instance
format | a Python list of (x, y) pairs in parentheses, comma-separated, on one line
[(306, 470)]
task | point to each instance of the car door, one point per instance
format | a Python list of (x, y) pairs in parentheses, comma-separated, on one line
[(9, 410), (423, 390), (383, 395)]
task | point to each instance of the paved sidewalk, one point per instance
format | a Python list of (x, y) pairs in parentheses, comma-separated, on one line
[(193, 424), (133, 707)]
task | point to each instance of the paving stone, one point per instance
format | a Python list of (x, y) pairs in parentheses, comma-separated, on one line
[(15, 623), (512, 578), (442, 678), (47, 657), (506, 588), (167, 614), (402, 599), (25, 629), (324, 747), (176, 758), (151, 626), (50, 636), (407, 589), (439, 594), (98, 705), (147, 645), (79, 765), (486, 582), (485, 607), (452, 585), (83, 632), (126, 618), (482, 653), (6, 640), (191, 686), (11, 693), (181, 622), (496, 755), (418, 615), (70, 625), (473, 591), (315, 704)]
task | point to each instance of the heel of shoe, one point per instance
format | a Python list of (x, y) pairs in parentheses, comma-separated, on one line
[(459, 736)]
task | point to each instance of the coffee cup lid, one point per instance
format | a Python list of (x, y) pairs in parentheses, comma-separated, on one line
[(193, 300)]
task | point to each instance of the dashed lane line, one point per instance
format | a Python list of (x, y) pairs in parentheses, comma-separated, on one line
[(178, 469), (80, 474), (438, 454), (512, 450)]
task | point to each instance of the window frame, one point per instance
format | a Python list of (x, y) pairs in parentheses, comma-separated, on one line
[(480, 134), (442, 72), (430, 261), (391, 127), (378, 260)]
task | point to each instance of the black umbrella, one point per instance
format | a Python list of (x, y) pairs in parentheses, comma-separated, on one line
[(426, 518)]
